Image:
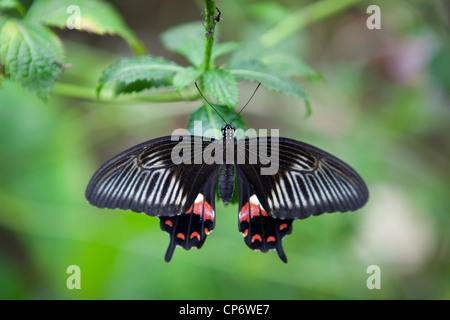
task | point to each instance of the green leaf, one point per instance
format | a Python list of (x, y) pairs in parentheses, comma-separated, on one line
[(6, 5), (206, 122), (255, 71), (271, 12), (95, 16), (290, 66), (188, 40), (139, 85), (223, 48), (137, 73), (185, 77), (221, 86), (31, 54)]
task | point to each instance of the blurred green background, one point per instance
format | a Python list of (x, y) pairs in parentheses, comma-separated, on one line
[(382, 105)]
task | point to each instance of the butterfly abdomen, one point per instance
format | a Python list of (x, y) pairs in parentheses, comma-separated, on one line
[(226, 183)]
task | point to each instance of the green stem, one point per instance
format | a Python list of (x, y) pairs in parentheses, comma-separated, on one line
[(83, 92), (210, 25), (301, 18), (74, 91)]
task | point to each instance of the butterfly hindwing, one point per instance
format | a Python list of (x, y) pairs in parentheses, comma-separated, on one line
[(261, 231), (189, 229)]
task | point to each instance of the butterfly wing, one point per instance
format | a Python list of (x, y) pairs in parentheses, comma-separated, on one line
[(189, 229), (261, 231), (145, 179), (306, 181)]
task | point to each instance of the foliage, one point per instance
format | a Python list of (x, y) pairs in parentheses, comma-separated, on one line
[(219, 83), (32, 54), (41, 67)]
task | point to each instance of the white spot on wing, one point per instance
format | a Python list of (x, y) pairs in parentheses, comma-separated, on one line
[(254, 200), (199, 198)]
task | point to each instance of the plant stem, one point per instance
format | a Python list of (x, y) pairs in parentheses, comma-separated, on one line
[(83, 92), (301, 18), (210, 25)]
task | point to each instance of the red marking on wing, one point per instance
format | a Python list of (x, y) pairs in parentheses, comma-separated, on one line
[(271, 239), (245, 232), (255, 210), (263, 213), (169, 223), (207, 231), (181, 236), (205, 209), (243, 215), (195, 234), (283, 226), (256, 237)]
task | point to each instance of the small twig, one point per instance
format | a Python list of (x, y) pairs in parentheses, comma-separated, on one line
[(209, 32)]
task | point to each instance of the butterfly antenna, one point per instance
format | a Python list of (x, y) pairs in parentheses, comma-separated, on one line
[(209, 103), (246, 103)]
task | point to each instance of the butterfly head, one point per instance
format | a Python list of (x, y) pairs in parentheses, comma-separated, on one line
[(228, 131)]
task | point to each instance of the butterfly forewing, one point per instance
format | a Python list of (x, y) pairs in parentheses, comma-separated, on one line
[(145, 179), (309, 181)]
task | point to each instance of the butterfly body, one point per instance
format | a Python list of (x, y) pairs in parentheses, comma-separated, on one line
[(151, 178)]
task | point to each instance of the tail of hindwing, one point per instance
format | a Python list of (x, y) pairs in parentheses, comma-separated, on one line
[(261, 231), (189, 230)]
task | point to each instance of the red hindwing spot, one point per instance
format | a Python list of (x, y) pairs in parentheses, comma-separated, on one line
[(195, 234), (243, 215), (256, 237), (283, 226), (202, 208), (245, 232), (169, 223), (263, 212), (181, 236), (271, 239), (251, 209), (209, 212), (207, 231)]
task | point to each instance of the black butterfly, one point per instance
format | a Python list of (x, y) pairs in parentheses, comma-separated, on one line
[(308, 182)]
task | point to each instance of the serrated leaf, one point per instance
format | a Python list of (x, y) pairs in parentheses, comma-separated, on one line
[(289, 65), (256, 72), (185, 77), (206, 122), (221, 86), (188, 40), (31, 54), (95, 16), (138, 70)]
